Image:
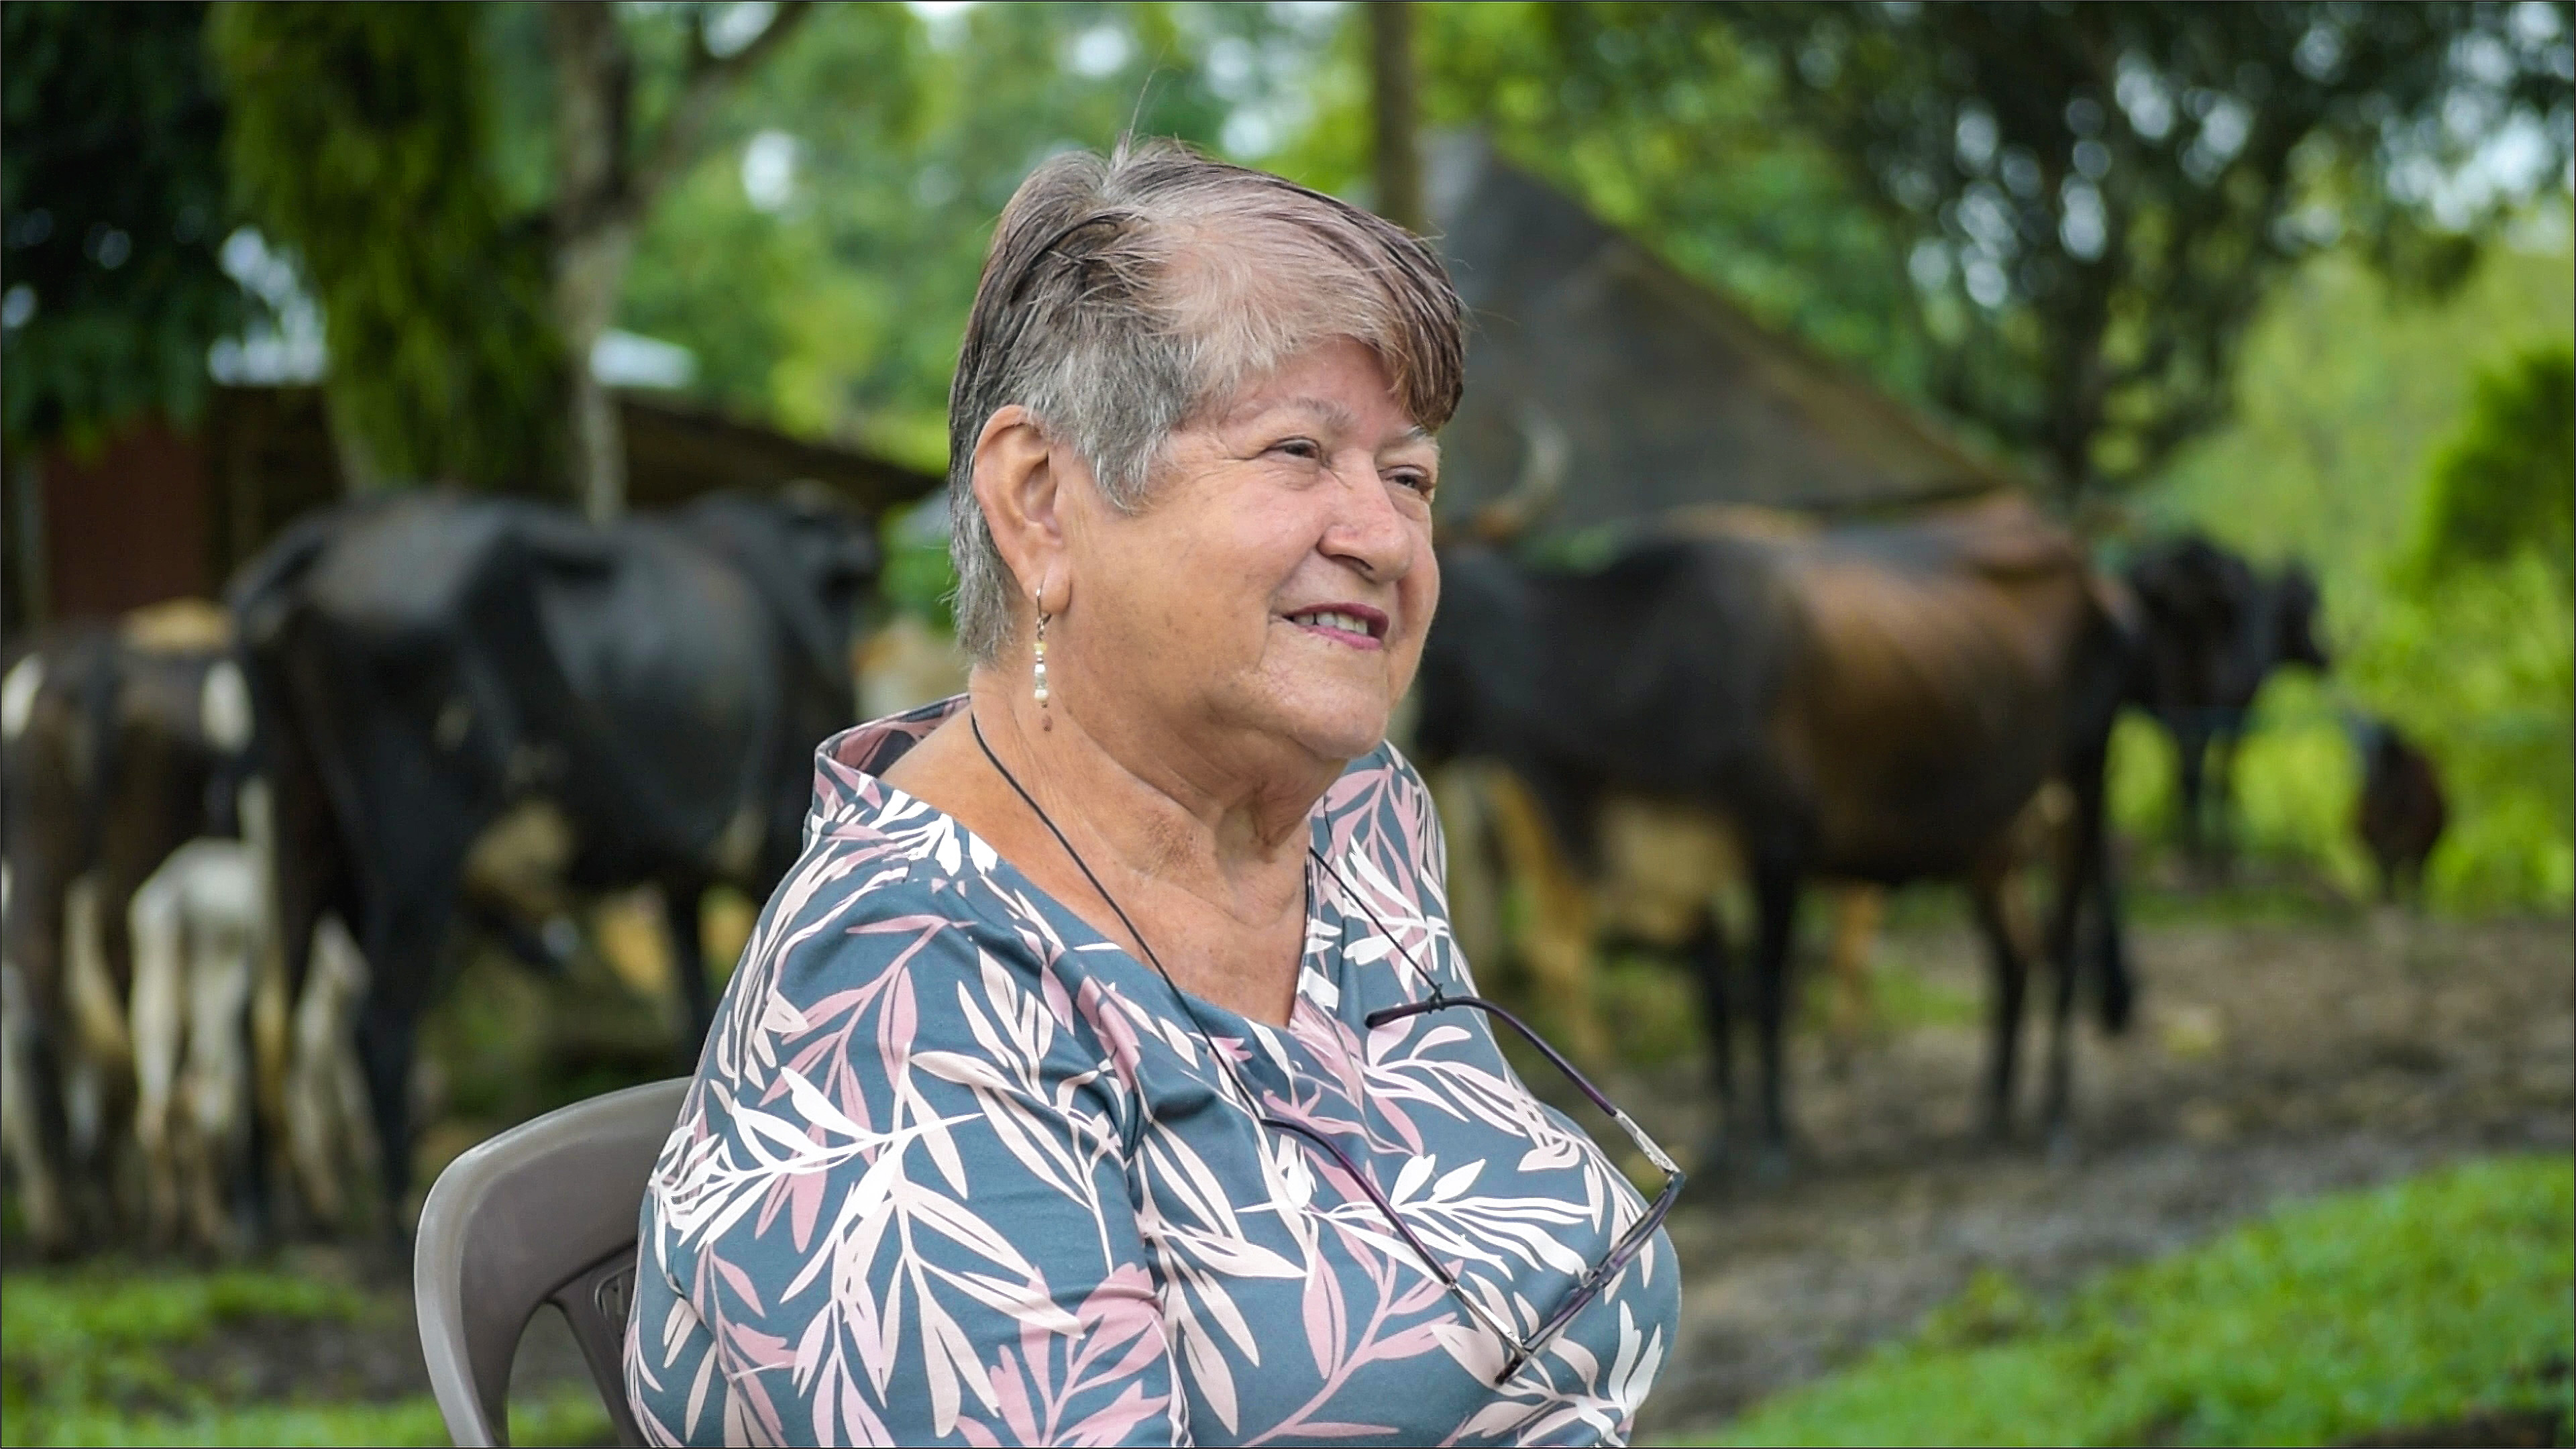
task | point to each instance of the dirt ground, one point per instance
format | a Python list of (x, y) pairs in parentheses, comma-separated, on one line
[(2270, 1062)]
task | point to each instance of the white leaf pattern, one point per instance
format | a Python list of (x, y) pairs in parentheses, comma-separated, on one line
[(958, 1170)]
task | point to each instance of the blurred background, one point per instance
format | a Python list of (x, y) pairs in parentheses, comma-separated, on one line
[(368, 366)]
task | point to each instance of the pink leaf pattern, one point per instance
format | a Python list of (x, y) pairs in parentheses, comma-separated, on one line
[(957, 1170)]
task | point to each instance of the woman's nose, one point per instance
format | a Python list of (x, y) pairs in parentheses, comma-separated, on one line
[(1368, 530)]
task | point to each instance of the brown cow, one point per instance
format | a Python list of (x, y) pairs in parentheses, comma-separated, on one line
[(1875, 705)]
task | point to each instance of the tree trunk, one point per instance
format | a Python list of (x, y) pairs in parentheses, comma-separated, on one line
[(359, 475), (588, 274), (1399, 144), (594, 233)]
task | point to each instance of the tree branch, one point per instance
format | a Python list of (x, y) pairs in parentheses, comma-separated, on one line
[(709, 77)]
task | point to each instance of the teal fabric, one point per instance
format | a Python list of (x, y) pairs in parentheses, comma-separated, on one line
[(957, 1170)]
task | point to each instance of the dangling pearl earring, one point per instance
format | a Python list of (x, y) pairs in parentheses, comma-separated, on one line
[(1046, 715)]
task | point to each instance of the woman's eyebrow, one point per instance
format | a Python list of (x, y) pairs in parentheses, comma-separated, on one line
[(1338, 415)]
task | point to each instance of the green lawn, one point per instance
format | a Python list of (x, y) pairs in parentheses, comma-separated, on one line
[(2409, 1305), (86, 1357)]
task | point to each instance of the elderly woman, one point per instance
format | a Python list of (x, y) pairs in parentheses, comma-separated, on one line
[(1105, 1071)]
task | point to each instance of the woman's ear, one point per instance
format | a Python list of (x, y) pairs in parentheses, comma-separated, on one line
[(1021, 493)]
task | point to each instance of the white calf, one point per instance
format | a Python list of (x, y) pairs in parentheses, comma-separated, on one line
[(196, 928)]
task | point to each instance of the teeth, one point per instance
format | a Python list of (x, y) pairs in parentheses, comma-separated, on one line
[(1333, 619)]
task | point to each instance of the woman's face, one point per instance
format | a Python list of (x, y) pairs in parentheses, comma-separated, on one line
[(1276, 587)]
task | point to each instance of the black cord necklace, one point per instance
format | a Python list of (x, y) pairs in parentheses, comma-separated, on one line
[(1188, 1007)]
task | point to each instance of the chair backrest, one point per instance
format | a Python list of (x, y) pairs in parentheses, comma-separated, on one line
[(543, 1213)]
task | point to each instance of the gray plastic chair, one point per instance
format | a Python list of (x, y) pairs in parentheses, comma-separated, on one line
[(543, 1213)]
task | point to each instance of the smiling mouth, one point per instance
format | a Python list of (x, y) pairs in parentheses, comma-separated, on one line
[(1349, 624)]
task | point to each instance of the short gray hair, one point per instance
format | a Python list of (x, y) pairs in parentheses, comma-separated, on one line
[(1124, 296)]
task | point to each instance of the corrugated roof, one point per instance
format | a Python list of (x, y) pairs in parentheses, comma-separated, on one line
[(1658, 391)]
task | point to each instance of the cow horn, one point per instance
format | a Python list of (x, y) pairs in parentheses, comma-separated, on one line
[(1542, 478)]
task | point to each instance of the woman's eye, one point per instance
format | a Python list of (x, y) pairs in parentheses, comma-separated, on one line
[(1306, 448), (1417, 481)]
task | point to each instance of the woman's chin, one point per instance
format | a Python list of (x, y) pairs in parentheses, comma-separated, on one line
[(1340, 730)]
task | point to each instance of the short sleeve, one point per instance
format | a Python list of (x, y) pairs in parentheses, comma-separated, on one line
[(905, 1218)]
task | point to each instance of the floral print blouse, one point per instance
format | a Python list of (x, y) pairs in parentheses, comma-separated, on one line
[(956, 1169)]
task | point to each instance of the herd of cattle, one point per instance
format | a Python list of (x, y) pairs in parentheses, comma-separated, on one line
[(239, 840)]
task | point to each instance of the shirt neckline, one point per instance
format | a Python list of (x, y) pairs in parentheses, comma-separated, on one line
[(862, 750)]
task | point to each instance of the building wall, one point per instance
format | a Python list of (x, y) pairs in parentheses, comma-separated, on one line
[(127, 527)]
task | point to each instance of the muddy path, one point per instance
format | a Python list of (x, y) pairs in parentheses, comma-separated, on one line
[(2270, 1062)]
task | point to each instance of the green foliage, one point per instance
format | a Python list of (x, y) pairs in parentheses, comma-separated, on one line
[(919, 576), (2507, 483), (88, 1361), (836, 312), (112, 213), (2350, 399), (2348, 390), (360, 138), (2092, 202), (1671, 137), (2410, 1305), (2482, 673)]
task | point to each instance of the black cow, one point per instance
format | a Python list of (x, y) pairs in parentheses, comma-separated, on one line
[(2401, 811), (632, 703), (1875, 705), (2216, 628)]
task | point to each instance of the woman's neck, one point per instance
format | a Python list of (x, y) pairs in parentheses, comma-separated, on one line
[(1158, 803), (1204, 856)]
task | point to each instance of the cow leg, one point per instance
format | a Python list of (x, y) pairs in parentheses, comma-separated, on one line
[(2222, 800), (1715, 971), (405, 941), (1857, 909), (219, 1084), (101, 1058), (34, 1050), (388, 1033), (325, 1118), (157, 926), (2011, 972), (1775, 891), (40, 1199), (2191, 758), (682, 915), (2084, 875), (1557, 917), (2056, 1116)]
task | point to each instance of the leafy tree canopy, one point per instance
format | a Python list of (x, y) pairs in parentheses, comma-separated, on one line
[(112, 217), (821, 257), (2090, 201), (360, 137), (2506, 485)]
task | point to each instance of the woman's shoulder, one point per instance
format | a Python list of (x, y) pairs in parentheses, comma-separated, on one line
[(896, 942)]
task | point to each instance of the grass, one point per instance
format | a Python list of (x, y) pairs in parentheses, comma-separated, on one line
[(2412, 1305), (94, 1356)]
